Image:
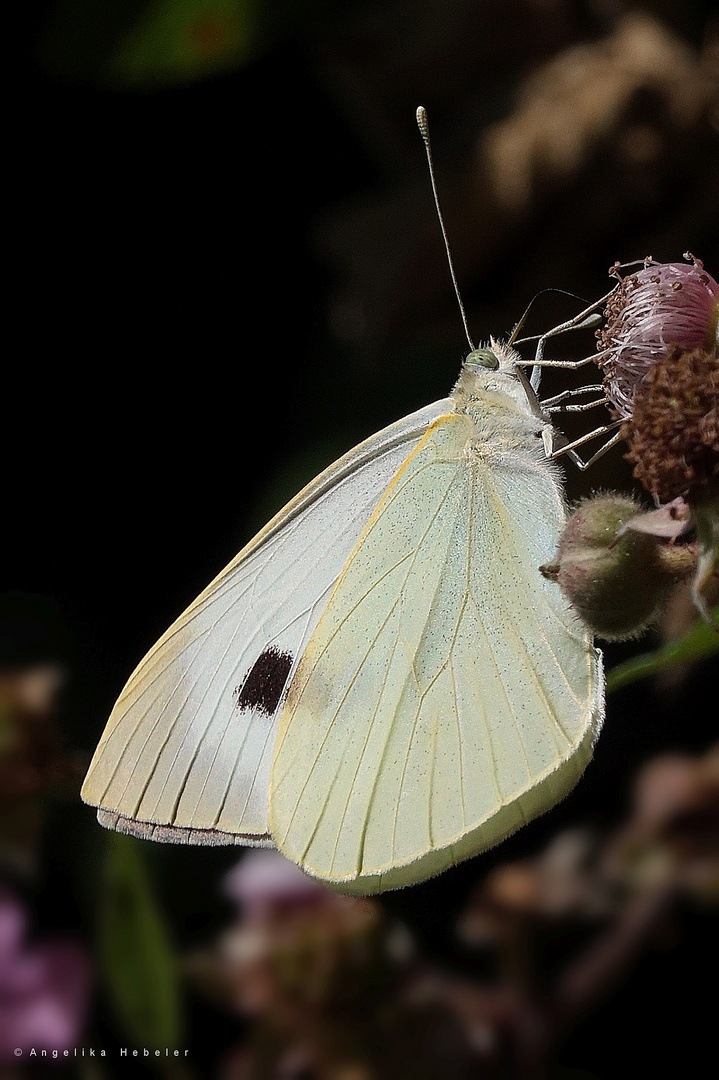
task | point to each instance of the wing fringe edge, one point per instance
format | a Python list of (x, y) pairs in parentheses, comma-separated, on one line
[(170, 834)]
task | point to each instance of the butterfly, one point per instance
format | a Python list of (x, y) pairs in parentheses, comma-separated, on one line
[(381, 683)]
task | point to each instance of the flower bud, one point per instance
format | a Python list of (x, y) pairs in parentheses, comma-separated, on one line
[(617, 577)]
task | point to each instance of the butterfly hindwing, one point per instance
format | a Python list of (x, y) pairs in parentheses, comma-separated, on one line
[(446, 695)]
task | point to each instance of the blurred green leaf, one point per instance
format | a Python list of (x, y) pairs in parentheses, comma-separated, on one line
[(144, 44), (180, 40), (698, 643), (138, 963)]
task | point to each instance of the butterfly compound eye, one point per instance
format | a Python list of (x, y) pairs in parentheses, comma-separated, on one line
[(483, 358)]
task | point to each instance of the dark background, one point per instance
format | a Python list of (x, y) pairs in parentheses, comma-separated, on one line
[(218, 286)]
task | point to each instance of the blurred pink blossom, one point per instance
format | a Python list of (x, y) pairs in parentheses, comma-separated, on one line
[(43, 988), (265, 882)]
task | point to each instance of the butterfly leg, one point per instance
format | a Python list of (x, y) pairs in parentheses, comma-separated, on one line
[(554, 404), (586, 318), (570, 448), (539, 362), (583, 465), (578, 408)]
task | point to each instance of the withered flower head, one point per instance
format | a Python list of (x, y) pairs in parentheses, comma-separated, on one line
[(673, 434), (663, 310)]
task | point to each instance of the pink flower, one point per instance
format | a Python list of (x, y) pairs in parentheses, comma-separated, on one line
[(665, 307), (265, 882), (43, 989)]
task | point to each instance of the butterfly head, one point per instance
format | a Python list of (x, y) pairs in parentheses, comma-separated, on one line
[(491, 378), (496, 356), (482, 359), (493, 368)]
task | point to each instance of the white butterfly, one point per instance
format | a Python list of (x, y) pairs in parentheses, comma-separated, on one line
[(381, 683)]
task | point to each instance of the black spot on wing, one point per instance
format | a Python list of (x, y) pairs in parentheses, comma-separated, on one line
[(264, 683)]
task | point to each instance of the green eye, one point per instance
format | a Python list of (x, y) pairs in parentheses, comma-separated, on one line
[(483, 358)]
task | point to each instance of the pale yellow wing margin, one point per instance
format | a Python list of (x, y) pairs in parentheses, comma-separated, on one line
[(447, 695)]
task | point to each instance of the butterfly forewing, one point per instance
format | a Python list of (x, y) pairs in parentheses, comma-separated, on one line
[(187, 750), (446, 695)]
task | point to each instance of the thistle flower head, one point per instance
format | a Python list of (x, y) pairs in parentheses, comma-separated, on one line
[(664, 309)]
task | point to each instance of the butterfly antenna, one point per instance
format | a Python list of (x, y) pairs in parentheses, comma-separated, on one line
[(589, 322), (423, 125)]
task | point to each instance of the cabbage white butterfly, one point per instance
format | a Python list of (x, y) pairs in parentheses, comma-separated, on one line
[(381, 683)]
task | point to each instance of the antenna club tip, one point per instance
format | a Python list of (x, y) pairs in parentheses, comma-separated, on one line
[(422, 122)]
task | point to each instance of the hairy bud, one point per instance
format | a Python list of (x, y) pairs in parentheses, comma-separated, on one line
[(617, 575)]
